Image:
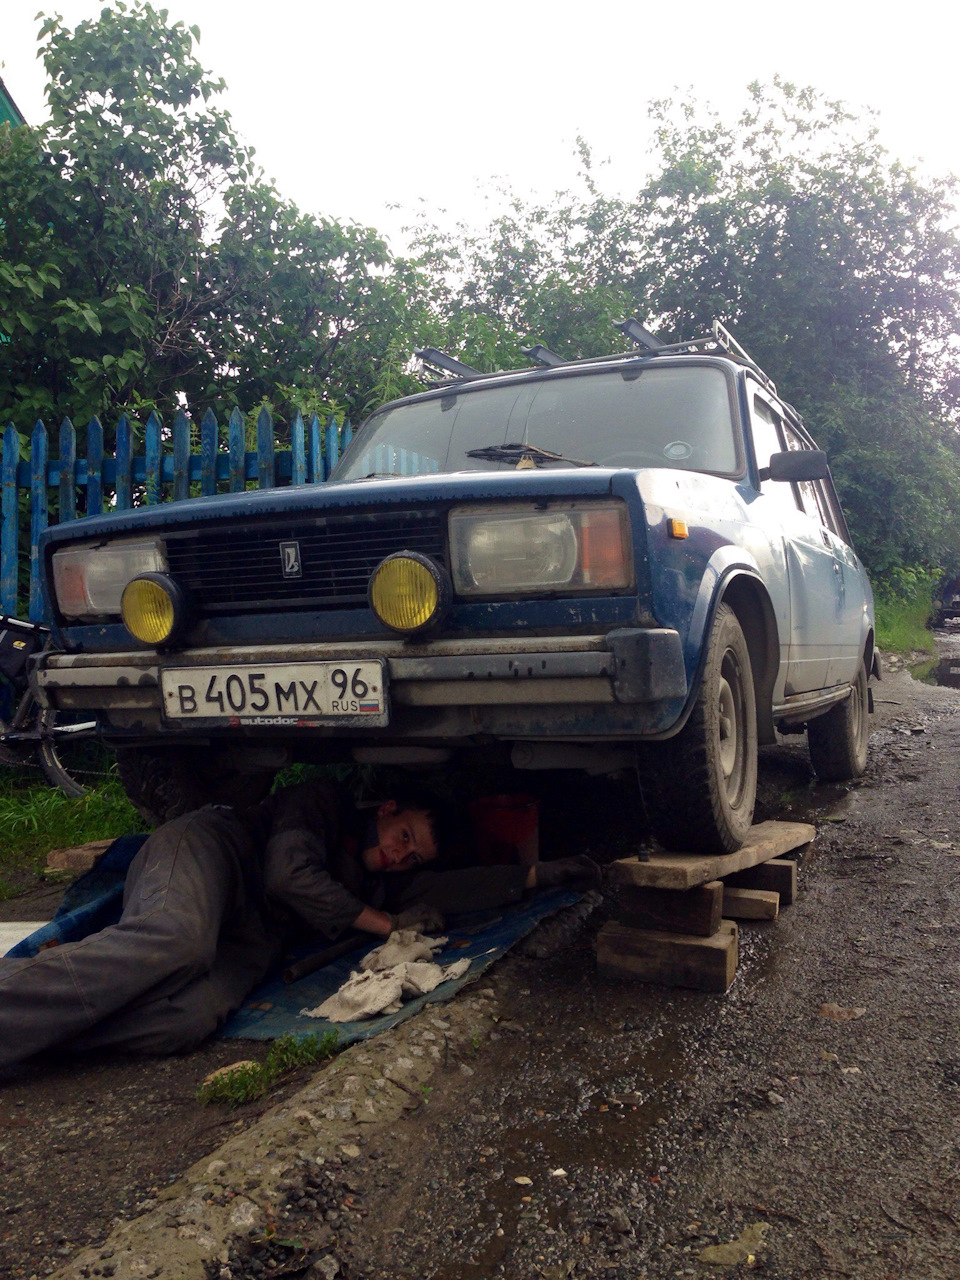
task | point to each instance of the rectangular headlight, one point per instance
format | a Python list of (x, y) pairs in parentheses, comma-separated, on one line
[(88, 581), (525, 549)]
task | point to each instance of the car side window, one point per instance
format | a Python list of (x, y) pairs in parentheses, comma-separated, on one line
[(813, 495), (766, 441)]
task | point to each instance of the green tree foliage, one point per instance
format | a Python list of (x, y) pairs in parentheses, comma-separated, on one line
[(557, 274), (838, 268), (143, 257)]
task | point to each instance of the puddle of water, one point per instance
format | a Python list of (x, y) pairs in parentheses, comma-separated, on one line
[(946, 672), (821, 802)]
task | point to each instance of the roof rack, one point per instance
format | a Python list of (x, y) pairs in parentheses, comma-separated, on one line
[(729, 343), (543, 355), (647, 346), (441, 362)]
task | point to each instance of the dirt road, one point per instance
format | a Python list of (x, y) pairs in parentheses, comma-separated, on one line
[(611, 1130)]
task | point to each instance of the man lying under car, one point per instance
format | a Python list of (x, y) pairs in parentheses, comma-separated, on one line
[(212, 899)]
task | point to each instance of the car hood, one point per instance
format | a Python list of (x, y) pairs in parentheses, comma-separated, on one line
[(315, 499)]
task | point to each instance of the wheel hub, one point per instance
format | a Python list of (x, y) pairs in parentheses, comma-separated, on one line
[(729, 738)]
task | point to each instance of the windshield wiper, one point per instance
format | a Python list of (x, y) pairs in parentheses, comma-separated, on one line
[(520, 453)]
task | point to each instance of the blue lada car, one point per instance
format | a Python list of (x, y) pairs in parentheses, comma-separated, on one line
[(638, 559)]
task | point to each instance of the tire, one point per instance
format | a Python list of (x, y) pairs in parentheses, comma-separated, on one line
[(69, 751), (165, 783), (838, 740), (700, 786), (57, 761)]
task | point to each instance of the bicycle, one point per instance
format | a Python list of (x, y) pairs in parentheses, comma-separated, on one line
[(31, 735)]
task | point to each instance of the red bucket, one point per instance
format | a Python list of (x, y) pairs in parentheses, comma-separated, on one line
[(507, 829)]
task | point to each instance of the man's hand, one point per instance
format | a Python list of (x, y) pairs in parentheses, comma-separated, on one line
[(421, 916)]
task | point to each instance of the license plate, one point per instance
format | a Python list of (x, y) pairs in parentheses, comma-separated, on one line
[(283, 694)]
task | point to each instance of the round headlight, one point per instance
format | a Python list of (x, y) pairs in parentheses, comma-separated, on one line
[(152, 608), (409, 592)]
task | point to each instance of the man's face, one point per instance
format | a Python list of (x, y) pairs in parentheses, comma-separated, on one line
[(404, 840)]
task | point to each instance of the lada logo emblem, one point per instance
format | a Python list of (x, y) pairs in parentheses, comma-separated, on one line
[(290, 559)]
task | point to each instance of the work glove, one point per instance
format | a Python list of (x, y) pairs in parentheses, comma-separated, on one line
[(580, 871), (420, 916)]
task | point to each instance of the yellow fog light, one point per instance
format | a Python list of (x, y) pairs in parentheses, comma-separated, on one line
[(409, 592), (152, 608)]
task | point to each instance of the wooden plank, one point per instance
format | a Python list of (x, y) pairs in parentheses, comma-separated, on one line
[(764, 841), (152, 460), (209, 430), (237, 446), (77, 858), (298, 452), (94, 467), (694, 911), (265, 459), (9, 548), (779, 875), (676, 960), (39, 452), (314, 452), (332, 447), (124, 464), (750, 904), (68, 471), (181, 456)]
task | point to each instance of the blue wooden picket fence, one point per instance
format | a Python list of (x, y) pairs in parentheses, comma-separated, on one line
[(166, 469)]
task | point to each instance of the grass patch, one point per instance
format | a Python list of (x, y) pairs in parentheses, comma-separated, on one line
[(251, 1080), (35, 818), (905, 607)]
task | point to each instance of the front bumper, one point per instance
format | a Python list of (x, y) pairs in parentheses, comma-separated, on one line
[(628, 681)]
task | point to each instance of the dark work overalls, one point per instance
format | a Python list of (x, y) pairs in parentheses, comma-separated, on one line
[(208, 903)]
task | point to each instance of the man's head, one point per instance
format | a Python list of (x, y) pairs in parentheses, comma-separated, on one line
[(410, 830)]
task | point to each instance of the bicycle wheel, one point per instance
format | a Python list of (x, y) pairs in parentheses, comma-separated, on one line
[(69, 752)]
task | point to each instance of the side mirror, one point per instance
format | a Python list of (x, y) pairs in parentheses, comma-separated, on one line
[(797, 464)]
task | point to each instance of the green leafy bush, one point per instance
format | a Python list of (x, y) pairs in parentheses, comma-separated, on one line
[(905, 606)]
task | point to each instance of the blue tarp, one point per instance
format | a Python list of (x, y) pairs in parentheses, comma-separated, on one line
[(274, 1008), (95, 900)]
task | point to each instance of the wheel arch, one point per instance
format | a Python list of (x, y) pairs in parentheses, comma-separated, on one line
[(749, 600)]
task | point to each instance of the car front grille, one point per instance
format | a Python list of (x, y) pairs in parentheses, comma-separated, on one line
[(241, 569)]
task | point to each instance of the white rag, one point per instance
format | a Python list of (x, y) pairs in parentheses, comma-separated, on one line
[(399, 969)]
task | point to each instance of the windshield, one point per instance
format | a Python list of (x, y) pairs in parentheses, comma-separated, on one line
[(676, 416)]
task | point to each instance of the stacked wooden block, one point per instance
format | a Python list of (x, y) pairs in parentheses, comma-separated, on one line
[(678, 923)]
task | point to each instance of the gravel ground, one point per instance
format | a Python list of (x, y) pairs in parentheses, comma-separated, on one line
[(652, 1125)]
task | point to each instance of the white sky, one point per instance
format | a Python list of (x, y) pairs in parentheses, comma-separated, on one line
[(356, 108)]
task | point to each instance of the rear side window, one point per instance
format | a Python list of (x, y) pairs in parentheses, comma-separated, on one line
[(813, 493)]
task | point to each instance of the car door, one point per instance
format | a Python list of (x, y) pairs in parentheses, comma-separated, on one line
[(814, 576), (820, 500)]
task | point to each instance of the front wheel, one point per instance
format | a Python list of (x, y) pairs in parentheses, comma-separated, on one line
[(700, 786), (838, 740)]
